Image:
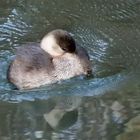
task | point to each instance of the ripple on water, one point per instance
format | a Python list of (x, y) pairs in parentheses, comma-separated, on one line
[(110, 31), (13, 28), (101, 27)]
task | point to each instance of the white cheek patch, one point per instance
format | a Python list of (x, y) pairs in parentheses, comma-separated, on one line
[(49, 44)]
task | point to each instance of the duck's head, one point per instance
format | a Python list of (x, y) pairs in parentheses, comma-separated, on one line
[(58, 42)]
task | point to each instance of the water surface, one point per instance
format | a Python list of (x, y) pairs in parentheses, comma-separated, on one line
[(105, 107)]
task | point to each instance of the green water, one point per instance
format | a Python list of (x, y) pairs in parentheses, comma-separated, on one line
[(106, 107)]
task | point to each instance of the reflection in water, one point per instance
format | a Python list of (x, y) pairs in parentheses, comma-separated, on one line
[(36, 119), (118, 112), (110, 31), (132, 130), (64, 113), (68, 118)]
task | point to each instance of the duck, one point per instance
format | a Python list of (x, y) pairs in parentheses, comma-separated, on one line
[(55, 58)]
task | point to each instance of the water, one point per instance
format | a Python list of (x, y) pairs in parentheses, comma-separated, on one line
[(105, 107)]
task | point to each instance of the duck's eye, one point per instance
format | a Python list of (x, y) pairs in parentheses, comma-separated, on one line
[(65, 49)]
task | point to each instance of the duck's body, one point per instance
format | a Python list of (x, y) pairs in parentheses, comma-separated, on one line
[(34, 65)]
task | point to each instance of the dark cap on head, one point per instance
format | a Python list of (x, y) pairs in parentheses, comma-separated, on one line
[(64, 40)]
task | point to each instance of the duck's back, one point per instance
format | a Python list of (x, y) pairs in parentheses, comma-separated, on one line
[(30, 67)]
